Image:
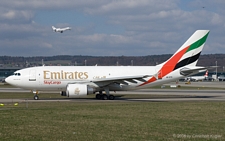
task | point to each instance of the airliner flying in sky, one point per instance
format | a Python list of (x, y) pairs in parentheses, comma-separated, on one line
[(75, 81), (61, 30)]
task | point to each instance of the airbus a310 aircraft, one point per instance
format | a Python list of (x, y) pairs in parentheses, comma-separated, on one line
[(60, 29), (75, 81)]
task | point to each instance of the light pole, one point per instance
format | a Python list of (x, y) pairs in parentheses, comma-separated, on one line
[(216, 69)]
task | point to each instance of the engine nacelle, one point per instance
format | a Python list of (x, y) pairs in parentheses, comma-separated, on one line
[(75, 90)]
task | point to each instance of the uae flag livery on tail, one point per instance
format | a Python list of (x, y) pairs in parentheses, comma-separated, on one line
[(195, 50), (187, 55)]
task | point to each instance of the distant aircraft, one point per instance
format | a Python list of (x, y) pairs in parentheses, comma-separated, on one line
[(60, 29), (75, 81), (221, 78), (198, 78)]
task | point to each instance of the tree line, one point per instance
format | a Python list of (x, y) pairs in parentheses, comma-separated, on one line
[(79, 60)]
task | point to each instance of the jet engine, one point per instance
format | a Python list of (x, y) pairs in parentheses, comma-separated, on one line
[(75, 90)]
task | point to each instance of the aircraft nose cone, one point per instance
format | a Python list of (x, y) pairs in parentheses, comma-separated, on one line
[(13, 81), (7, 80)]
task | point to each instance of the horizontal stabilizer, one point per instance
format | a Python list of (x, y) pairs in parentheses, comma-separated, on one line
[(191, 71)]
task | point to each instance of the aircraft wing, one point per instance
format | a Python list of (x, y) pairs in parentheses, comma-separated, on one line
[(125, 78), (122, 80)]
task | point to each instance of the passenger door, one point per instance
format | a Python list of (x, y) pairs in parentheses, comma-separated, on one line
[(32, 75)]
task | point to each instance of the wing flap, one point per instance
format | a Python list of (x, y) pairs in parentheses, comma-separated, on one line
[(122, 80), (116, 79), (141, 79), (131, 81)]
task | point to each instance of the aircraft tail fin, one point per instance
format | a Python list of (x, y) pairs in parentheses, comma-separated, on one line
[(185, 58), (187, 55), (53, 28), (206, 73)]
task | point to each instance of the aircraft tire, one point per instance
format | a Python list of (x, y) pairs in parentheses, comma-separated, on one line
[(36, 97), (104, 97), (98, 96), (111, 97)]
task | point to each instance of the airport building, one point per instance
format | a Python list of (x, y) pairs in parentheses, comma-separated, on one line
[(7, 71)]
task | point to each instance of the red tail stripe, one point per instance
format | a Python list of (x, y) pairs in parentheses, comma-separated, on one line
[(149, 81), (168, 66)]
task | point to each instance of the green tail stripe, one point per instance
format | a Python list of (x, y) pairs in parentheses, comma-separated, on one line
[(198, 43)]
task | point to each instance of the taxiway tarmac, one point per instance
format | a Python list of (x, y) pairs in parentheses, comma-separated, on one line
[(151, 95)]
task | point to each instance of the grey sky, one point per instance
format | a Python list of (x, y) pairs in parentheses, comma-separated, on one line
[(108, 27)]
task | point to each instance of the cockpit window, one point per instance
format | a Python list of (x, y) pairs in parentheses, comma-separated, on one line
[(17, 74)]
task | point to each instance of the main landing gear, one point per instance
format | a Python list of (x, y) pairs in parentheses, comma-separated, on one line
[(106, 96)]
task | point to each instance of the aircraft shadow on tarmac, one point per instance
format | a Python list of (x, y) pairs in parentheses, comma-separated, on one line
[(125, 98), (163, 97)]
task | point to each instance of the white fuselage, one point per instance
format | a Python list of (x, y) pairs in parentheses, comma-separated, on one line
[(60, 29), (58, 77)]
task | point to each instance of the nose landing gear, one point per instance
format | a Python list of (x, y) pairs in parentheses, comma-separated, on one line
[(35, 95)]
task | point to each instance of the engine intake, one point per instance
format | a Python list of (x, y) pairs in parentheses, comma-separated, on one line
[(75, 90)]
